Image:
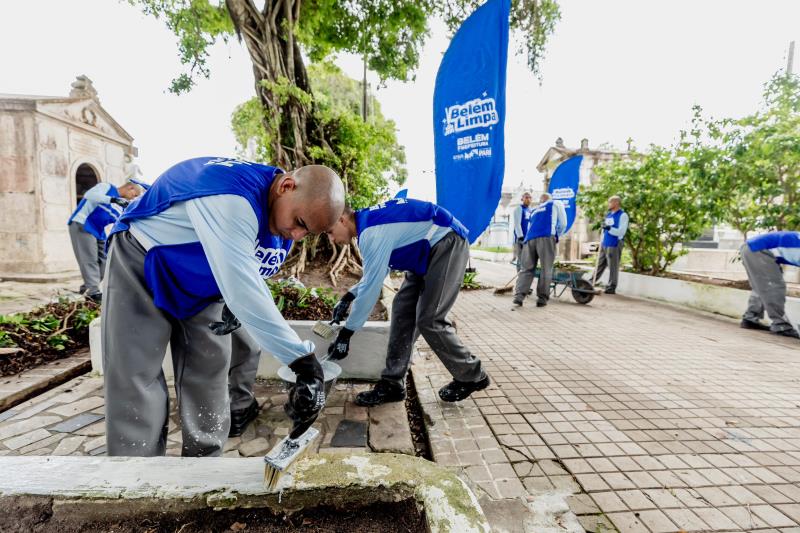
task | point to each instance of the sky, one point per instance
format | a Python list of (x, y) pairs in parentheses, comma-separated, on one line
[(613, 69)]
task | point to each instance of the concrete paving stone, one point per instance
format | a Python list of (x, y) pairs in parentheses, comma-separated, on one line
[(100, 450), (582, 504), (77, 407), (772, 516), (686, 519), (627, 522), (93, 430), (231, 444), (636, 500), (656, 521), (715, 519), (68, 445), (15, 443), (12, 429), (75, 423), (608, 502), (94, 443), (596, 523), (5, 415), (254, 447), (791, 510), (41, 444)]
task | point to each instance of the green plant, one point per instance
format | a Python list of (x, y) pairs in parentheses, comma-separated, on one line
[(6, 341), (470, 281)]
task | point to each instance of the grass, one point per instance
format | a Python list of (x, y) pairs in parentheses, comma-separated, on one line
[(494, 249)]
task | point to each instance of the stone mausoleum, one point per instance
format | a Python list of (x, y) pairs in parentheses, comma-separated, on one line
[(52, 150)]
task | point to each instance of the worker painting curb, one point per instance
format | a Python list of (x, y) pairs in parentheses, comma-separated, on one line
[(114, 487)]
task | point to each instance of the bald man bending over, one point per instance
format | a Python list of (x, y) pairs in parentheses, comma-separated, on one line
[(208, 229)]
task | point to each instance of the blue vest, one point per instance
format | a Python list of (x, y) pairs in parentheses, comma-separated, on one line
[(541, 221), (611, 241), (525, 219), (100, 217), (411, 257), (179, 276), (775, 239)]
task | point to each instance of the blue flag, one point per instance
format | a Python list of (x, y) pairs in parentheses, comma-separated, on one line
[(564, 186), (469, 104), (402, 193)]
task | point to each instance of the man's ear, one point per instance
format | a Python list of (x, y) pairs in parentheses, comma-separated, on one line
[(286, 184)]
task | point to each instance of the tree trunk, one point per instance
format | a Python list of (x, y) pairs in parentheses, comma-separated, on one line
[(269, 38)]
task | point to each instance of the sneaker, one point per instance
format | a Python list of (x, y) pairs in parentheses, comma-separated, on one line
[(96, 297), (610, 290), (383, 392), (241, 418), (455, 391), (788, 333), (541, 303), (752, 324)]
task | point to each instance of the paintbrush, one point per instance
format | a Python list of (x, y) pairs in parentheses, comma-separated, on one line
[(325, 330), (284, 454)]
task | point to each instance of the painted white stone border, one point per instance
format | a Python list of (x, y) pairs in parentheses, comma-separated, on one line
[(114, 486), (366, 360), (494, 257), (725, 301)]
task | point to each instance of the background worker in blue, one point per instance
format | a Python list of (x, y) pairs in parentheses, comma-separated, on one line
[(207, 229), (548, 222), (424, 240), (100, 206), (762, 257), (615, 225), (520, 218)]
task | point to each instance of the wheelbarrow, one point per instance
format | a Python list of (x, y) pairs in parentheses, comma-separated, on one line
[(582, 290)]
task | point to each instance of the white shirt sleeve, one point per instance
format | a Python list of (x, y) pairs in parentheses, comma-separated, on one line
[(517, 221), (98, 194), (227, 228), (376, 250), (620, 231), (561, 218)]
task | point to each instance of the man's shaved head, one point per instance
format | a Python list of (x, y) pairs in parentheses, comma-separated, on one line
[(309, 199)]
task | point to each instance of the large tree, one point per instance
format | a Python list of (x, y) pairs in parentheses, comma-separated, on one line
[(280, 34)]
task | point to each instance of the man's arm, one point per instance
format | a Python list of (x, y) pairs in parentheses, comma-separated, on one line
[(517, 218), (561, 218), (620, 231), (98, 194), (376, 250), (227, 228)]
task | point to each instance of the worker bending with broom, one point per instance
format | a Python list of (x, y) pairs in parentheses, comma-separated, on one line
[(430, 245), (548, 222), (762, 257), (206, 230)]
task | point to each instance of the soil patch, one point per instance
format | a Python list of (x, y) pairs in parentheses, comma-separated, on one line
[(419, 435), (50, 332), (376, 518)]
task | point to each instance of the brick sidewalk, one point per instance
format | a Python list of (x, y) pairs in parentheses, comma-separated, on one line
[(653, 418)]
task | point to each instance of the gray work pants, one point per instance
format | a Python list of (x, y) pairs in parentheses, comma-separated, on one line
[(423, 302), (245, 354), (541, 250), (91, 256), (517, 247), (134, 336), (768, 289), (609, 257)]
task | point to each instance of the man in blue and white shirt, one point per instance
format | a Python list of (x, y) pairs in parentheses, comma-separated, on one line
[(207, 229), (615, 225), (520, 219), (762, 257), (100, 206), (548, 223), (430, 245)]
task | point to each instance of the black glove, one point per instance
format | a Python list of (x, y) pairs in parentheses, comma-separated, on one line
[(341, 346), (229, 323), (520, 239), (342, 307), (120, 201), (306, 395)]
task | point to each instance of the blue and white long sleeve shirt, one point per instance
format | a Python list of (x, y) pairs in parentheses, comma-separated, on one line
[(377, 244), (227, 228), (94, 197)]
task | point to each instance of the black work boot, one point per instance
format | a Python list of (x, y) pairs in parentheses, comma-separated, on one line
[(241, 418), (455, 391), (791, 332), (752, 324), (541, 303), (611, 290), (383, 392)]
